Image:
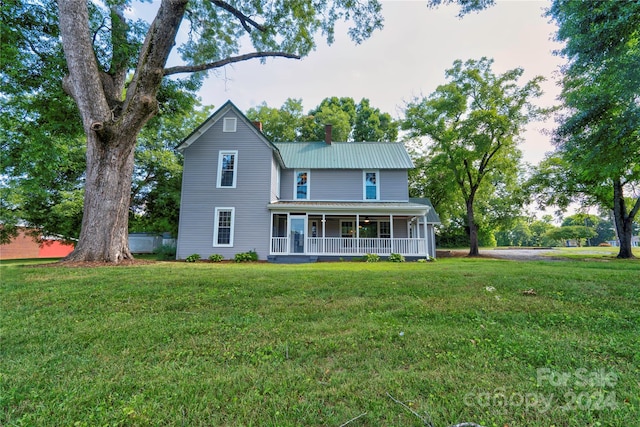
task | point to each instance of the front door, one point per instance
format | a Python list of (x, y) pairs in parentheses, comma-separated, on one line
[(297, 233)]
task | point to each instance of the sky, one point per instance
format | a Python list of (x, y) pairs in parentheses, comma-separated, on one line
[(407, 58)]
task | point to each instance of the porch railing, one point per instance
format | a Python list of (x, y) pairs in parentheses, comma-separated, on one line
[(353, 246)]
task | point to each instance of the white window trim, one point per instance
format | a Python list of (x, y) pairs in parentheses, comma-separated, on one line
[(364, 185), (295, 183), (229, 124), (216, 224), (221, 154)]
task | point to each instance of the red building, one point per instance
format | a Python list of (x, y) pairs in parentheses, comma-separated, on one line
[(24, 246)]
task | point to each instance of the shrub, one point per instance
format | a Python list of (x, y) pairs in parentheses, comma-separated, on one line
[(165, 252), (192, 258), (246, 256), (396, 258), (372, 257), (216, 257)]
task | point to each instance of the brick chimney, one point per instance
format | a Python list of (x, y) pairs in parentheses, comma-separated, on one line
[(258, 125), (327, 134)]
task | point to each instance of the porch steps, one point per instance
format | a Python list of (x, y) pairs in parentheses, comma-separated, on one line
[(292, 259)]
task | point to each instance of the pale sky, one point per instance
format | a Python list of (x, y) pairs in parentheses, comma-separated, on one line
[(407, 58)]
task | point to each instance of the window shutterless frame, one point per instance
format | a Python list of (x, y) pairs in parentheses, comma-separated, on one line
[(223, 226), (371, 185), (227, 169), (301, 184)]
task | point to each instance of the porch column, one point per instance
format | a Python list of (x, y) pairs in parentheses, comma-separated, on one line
[(357, 233), (391, 231), (271, 232), (324, 234), (426, 235)]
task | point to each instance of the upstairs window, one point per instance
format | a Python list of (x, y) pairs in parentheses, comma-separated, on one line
[(301, 190), (371, 185), (227, 164)]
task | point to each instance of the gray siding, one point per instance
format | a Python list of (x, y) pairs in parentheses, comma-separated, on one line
[(200, 196), (394, 185), (346, 185), (400, 228)]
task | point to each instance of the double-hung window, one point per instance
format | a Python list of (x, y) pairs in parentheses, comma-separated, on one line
[(371, 185), (227, 169), (223, 227), (301, 185)]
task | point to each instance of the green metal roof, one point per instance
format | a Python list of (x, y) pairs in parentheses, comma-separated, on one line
[(432, 215), (344, 155)]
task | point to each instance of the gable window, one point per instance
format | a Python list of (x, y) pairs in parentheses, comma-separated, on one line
[(229, 124), (371, 185), (223, 227), (227, 163), (301, 182)]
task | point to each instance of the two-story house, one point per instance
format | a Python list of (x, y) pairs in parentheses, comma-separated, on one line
[(308, 200)]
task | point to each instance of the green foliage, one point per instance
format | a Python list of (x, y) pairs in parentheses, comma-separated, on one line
[(166, 253), (473, 124), (43, 156), (466, 6), (279, 125), (216, 257), (192, 258), (597, 141), (249, 256), (350, 121), (571, 232), (372, 258), (78, 343), (526, 232), (396, 258)]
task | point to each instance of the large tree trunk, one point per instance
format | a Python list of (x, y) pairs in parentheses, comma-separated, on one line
[(473, 227), (624, 221), (105, 221), (111, 123)]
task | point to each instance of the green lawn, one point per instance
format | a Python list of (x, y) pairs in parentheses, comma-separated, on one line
[(320, 344), (589, 252)]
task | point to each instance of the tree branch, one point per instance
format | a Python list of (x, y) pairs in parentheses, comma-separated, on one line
[(636, 209), (140, 102), (226, 61), (244, 19)]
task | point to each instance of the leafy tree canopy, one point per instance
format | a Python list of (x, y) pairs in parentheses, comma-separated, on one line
[(468, 131), (598, 139), (350, 121)]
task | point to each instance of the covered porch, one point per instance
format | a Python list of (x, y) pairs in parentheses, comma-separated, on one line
[(337, 229)]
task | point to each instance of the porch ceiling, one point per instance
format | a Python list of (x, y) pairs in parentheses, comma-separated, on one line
[(395, 208)]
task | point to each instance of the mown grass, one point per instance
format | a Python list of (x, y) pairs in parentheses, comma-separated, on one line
[(589, 252), (320, 344)]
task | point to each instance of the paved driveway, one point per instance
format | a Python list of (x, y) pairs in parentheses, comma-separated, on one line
[(520, 254)]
